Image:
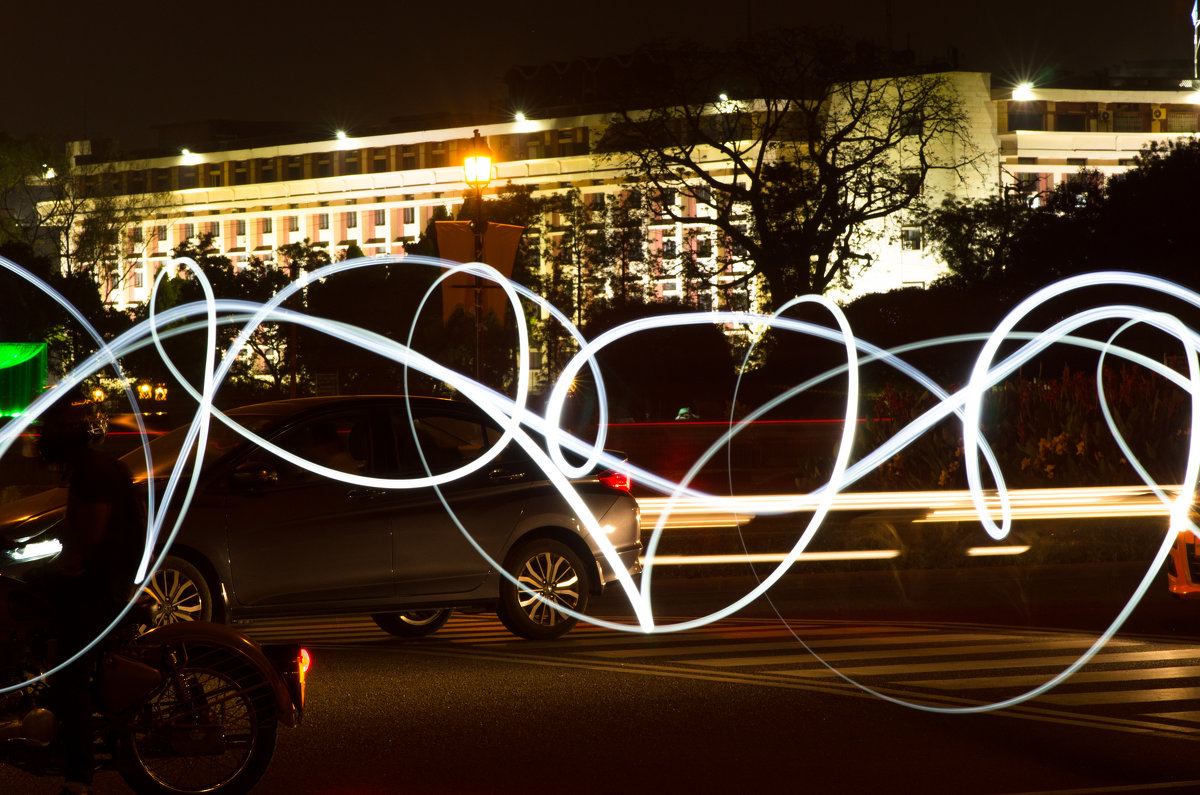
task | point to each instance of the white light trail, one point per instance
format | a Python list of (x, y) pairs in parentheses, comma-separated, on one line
[(993, 508)]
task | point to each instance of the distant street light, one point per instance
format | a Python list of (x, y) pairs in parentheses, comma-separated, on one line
[(477, 171)]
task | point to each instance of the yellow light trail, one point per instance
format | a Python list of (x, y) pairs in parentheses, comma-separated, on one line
[(929, 506), (701, 513)]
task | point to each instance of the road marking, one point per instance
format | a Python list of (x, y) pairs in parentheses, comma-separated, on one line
[(1190, 717), (840, 643), (911, 653), (1122, 696), (1079, 677), (981, 665), (917, 647)]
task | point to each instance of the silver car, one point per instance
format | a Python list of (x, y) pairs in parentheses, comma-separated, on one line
[(266, 537)]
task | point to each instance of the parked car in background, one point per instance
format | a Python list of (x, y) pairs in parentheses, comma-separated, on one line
[(265, 537)]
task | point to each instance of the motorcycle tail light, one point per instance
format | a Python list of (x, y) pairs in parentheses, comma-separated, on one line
[(305, 660)]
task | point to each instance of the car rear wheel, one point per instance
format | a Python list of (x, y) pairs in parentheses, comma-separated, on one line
[(412, 623), (180, 593), (551, 576)]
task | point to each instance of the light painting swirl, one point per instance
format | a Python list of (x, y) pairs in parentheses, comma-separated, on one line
[(522, 426)]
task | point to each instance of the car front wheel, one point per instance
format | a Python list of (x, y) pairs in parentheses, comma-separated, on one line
[(180, 593), (412, 623), (551, 576)]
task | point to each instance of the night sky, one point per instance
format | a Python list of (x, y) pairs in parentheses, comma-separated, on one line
[(112, 70)]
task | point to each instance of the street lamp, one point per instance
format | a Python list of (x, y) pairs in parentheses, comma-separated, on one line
[(477, 172)]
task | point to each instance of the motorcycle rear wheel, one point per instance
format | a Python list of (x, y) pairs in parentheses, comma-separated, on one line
[(210, 727)]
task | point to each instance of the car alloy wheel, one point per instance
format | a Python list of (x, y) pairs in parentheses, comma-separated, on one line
[(180, 593), (551, 576)]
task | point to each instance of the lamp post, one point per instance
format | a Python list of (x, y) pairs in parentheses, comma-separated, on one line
[(477, 172)]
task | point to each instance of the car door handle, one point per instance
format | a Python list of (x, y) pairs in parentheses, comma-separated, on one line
[(365, 493)]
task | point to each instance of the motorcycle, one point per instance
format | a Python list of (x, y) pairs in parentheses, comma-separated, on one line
[(185, 707)]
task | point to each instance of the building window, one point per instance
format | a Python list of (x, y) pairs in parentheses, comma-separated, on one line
[(293, 223), (189, 231), (267, 226), (295, 167), (240, 173), (215, 179), (410, 215), (322, 167), (1028, 182), (214, 228), (380, 217), (1128, 122), (351, 220), (1181, 121), (910, 238), (1070, 122), (910, 181), (1026, 116), (349, 163), (160, 233), (137, 234), (379, 161), (266, 169), (911, 124), (188, 176), (408, 157), (239, 226), (669, 249), (323, 221)]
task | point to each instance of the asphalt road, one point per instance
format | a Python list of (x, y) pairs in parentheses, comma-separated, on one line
[(741, 706)]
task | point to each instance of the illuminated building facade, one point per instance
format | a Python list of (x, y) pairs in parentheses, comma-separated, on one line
[(379, 192), (1048, 134)]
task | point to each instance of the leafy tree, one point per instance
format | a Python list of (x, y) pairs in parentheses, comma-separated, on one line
[(788, 145), (1139, 220), (28, 175), (91, 220), (976, 238), (259, 367), (1147, 219)]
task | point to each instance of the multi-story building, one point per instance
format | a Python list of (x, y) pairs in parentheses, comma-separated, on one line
[(378, 192), (1048, 134)]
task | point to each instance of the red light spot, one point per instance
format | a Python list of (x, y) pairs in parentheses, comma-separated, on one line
[(617, 480), (305, 660)]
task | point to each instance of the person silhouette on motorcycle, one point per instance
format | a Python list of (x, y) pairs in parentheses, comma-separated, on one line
[(92, 577)]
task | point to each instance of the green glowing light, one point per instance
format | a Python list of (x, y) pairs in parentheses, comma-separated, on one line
[(23, 374)]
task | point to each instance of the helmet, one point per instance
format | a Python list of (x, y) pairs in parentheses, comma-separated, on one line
[(68, 427)]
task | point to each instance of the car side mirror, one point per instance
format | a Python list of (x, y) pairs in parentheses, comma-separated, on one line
[(251, 477)]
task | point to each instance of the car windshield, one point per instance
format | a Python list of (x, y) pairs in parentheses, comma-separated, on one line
[(165, 449)]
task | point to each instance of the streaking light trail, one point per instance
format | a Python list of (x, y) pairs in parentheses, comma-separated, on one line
[(993, 508)]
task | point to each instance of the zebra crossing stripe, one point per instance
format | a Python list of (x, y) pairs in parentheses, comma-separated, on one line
[(846, 656), (984, 665), (1080, 677), (1121, 696)]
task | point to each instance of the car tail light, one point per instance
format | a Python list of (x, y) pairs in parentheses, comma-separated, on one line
[(617, 480)]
